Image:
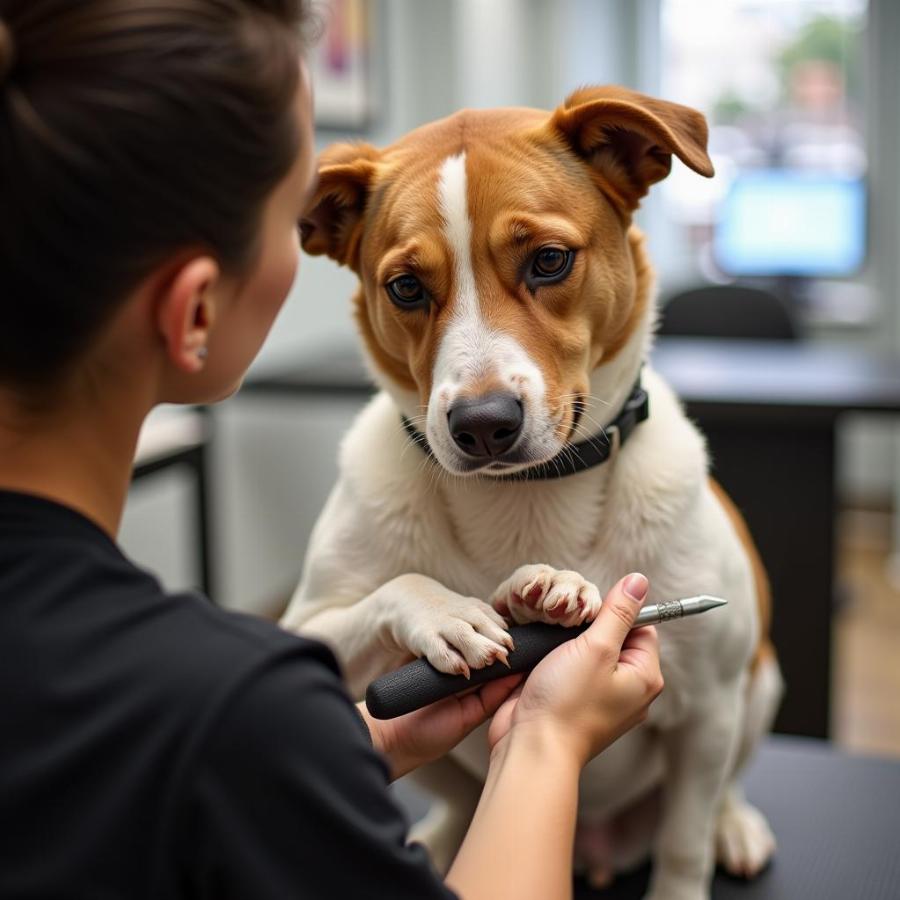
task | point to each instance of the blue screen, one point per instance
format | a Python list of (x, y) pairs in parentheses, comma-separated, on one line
[(784, 222)]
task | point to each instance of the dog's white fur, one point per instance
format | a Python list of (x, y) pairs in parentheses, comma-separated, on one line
[(649, 509)]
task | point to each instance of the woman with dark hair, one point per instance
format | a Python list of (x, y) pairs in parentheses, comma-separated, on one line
[(155, 156)]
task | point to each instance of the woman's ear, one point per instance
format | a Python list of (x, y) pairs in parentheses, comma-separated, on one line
[(333, 221), (628, 138), (186, 310)]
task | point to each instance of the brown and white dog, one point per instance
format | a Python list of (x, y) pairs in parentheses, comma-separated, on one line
[(507, 307)]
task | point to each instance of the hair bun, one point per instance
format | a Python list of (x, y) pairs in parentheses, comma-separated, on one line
[(7, 51)]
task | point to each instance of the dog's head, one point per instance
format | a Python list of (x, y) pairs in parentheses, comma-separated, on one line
[(495, 265)]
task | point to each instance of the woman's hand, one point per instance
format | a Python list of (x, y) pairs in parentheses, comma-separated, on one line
[(575, 702), (424, 735), (592, 689)]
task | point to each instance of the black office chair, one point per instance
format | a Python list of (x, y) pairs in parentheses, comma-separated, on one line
[(728, 311)]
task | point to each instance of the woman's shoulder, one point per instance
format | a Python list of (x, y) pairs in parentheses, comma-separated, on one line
[(107, 631)]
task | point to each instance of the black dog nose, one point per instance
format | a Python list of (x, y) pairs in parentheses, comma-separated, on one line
[(486, 426)]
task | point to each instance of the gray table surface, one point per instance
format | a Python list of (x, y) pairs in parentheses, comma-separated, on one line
[(836, 817)]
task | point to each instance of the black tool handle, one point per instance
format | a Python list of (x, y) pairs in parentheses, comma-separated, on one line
[(418, 683)]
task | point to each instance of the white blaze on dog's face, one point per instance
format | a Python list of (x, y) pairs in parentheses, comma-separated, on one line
[(488, 406), (495, 265)]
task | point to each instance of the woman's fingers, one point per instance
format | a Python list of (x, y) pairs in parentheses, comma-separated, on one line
[(641, 655), (618, 612), (644, 640), (635, 650), (478, 705), (495, 692), (502, 720)]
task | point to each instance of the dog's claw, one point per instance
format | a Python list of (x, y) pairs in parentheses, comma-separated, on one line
[(501, 656)]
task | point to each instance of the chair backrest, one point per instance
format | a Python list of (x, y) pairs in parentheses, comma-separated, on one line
[(728, 311)]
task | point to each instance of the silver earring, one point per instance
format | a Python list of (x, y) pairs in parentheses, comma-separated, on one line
[(202, 352)]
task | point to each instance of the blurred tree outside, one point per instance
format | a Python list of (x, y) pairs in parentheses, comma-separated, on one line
[(827, 39)]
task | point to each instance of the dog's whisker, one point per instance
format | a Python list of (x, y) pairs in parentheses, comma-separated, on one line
[(585, 416), (585, 397), (585, 431), (556, 466)]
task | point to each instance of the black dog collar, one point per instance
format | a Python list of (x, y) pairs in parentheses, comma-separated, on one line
[(574, 458)]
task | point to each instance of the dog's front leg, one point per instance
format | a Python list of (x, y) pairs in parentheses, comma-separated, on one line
[(699, 756), (408, 616)]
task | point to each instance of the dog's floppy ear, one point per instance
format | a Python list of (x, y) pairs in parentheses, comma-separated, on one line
[(629, 138), (332, 222)]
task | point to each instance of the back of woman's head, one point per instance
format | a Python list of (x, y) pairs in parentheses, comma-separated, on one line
[(130, 131)]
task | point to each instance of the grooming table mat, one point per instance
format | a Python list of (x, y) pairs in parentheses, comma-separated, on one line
[(836, 818)]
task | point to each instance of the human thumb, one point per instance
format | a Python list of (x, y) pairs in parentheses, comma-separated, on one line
[(618, 611)]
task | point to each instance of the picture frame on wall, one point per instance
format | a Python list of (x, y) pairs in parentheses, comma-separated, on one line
[(340, 64)]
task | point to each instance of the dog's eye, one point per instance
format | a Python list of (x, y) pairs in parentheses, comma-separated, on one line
[(550, 261), (407, 292), (549, 265)]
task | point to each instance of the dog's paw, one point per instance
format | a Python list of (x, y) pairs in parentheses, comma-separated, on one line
[(541, 593), (456, 633), (744, 841)]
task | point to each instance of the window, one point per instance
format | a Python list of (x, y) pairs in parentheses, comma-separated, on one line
[(781, 84)]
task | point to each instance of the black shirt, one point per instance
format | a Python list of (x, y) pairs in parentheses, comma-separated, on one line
[(154, 746)]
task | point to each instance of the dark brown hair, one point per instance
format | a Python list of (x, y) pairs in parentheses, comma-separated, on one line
[(131, 130)]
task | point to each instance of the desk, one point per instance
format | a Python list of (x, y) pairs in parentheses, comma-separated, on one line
[(770, 412)]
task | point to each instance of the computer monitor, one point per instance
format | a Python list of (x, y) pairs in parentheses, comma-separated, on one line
[(792, 222)]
